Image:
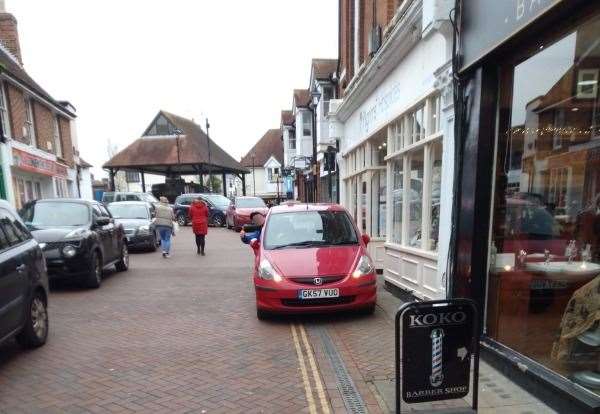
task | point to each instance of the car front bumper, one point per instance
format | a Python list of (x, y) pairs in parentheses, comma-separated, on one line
[(282, 297), (139, 241)]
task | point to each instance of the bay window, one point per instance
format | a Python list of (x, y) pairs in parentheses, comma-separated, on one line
[(416, 168), (4, 112), (29, 123)]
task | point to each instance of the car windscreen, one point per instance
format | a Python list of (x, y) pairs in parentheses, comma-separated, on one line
[(218, 200), (249, 203), (128, 211), (149, 197), (56, 214), (309, 229)]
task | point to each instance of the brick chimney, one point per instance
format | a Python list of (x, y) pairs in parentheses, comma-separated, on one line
[(9, 36)]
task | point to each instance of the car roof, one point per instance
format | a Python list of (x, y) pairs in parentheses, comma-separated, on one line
[(6, 205), (131, 202), (299, 207), (247, 197), (67, 200)]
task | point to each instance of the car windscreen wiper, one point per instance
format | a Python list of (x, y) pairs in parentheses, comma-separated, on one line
[(342, 243), (306, 243)]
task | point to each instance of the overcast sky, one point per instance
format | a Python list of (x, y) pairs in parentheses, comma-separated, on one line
[(120, 61)]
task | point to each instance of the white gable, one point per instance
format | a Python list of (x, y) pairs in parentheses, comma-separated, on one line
[(272, 163)]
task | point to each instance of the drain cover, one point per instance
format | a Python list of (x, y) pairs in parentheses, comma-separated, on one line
[(350, 395)]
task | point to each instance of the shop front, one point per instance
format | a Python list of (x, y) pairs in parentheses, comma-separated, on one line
[(35, 176), (396, 149), (528, 228)]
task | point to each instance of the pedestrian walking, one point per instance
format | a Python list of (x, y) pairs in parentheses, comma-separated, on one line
[(163, 220), (199, 218)]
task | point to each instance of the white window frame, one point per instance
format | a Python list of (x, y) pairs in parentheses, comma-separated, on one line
[(4, 115), (30, 122), (306, 121), (58, 150), (271, 173), (405, 123), (292, 138)]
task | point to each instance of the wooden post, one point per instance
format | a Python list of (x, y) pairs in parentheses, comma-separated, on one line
[(243, 183), (143, 181), (224, 178), (111, 175)]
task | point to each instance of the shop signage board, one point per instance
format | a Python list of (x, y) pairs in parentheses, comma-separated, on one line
[(32, 163), (435, 344), (486, 24)]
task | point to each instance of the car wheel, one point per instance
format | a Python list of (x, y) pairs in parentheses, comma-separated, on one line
[(35, 331), (181, 220), (94, 278), (153, 245), (123, 264), (219, 221), (369, 310), (262, 315)]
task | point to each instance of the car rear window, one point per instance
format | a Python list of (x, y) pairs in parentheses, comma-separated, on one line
[(309, 228), (249, 203)]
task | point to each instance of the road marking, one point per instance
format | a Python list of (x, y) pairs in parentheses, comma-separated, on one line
[(315, 371), (312, 408)]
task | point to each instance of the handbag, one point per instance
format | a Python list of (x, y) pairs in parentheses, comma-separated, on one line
[(175, 227)]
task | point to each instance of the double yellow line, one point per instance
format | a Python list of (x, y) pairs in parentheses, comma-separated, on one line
[(312, 406)]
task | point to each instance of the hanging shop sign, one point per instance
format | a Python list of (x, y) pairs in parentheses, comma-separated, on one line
[(486, 24), (435, 344), (32, 163)]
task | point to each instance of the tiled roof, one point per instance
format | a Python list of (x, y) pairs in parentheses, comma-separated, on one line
[(324, 68), (83, 163), (163, 151), (287, 118), (16, 71), (301, 97), (269, 145)]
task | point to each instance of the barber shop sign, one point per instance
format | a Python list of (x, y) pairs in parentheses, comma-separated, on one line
[(436, 342)]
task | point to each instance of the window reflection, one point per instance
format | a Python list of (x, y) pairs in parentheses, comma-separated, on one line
[(544, 285)]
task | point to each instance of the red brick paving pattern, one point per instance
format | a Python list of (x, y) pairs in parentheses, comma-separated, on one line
[(177, 335)]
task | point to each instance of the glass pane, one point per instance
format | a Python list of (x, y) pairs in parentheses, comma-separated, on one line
[(363, 206), (544, 278), (436, 191), (397, 199), (416, 199), (378, 194)]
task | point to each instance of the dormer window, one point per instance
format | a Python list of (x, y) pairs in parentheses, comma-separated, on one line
[(29, 129), (306, 124)]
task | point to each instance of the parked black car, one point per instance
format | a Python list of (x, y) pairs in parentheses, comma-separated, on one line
[(23, 283), (136, 219), (79, 238), (217, 208)]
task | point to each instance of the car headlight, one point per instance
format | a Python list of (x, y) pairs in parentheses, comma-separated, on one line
[(267, 272), (363, 267), (144, 230), (69, 251)]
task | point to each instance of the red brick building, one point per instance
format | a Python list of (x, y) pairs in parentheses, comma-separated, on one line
[(39, 156)]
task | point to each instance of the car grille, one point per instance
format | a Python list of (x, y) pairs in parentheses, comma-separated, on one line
[(60, 244), (342, 300), (129, 231), (310, 280)]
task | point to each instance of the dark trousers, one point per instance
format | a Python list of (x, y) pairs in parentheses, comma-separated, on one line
[(200, 241)]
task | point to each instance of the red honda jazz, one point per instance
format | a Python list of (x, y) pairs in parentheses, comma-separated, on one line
[(311, 258)]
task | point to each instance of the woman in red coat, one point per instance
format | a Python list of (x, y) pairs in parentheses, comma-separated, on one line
[(199, 218)]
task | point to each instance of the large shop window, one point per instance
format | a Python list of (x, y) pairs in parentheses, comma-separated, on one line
[(378, 203), (416, 157), (544, 278)]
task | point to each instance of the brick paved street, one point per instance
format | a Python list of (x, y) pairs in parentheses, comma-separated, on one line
[(181, 335)]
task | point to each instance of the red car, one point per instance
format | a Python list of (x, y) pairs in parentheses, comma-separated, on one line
[(238, 212), (312, 258)]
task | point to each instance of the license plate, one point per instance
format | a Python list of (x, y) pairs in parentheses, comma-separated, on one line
[(128, 238), (318, 293)]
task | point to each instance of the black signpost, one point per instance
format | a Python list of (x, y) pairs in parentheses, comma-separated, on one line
[(435, 342)]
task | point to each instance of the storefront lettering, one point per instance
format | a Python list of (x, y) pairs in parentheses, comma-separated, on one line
[(370, 116), (32, 163), (534, 5), (447, 318)]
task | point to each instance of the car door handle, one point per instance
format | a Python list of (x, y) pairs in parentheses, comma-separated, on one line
[(21, 268)]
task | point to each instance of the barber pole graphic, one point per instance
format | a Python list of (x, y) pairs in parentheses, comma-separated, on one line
[(436, 377)]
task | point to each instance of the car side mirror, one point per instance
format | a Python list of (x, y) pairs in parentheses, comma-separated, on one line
[(102, 221), (255, 244), (365, 238)]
